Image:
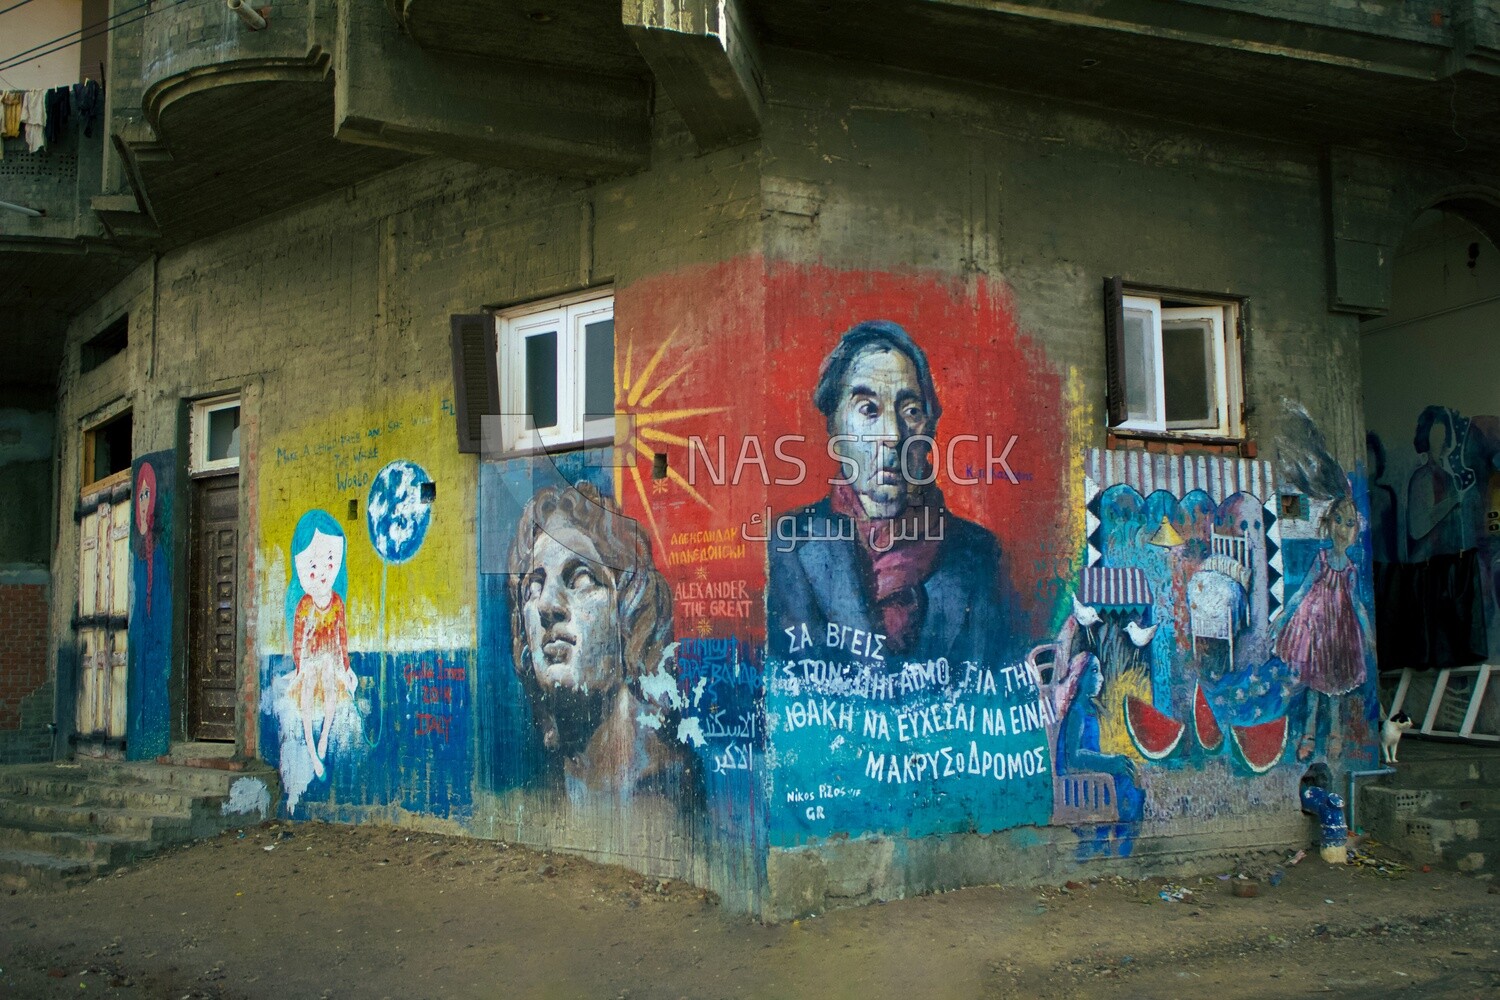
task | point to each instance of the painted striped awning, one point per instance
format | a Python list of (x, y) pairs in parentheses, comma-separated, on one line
[(1115, 586), (1179, 475)]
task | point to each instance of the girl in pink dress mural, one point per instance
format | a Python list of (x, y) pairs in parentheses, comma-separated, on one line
[(1326, 635)]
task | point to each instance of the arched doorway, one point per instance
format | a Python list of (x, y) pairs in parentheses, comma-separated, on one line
[(1431, 370)]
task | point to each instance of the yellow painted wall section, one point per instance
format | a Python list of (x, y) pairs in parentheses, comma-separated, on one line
[(426, 602)]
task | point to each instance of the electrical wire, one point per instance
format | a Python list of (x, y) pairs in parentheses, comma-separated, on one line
[(25, 56), (14, 6)]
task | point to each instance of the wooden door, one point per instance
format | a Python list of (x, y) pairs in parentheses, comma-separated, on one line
[(214, 608), (103, 609)]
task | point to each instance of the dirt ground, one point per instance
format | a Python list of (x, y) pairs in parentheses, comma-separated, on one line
[(312, 910)]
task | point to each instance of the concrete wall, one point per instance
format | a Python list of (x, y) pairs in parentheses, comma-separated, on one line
[(1061, 694)]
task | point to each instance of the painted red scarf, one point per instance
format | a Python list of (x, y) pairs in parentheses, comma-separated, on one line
[(896, 567)]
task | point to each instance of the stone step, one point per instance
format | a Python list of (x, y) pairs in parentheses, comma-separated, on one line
[(38, 870), (66, 822), (82, 791), (1480, 767), (197, 780), (106, 849), (199, 817)]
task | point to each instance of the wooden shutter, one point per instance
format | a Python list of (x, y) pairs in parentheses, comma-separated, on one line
[(476, 382), (1114, 350)]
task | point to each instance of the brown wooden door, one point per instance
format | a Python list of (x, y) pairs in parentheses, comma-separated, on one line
[(214, 611)]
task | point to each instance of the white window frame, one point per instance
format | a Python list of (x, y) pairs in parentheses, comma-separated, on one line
[(1227, 382), (569, 317), (199, 461)]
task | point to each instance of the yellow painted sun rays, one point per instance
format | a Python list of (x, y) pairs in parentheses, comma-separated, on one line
[(635, 395)]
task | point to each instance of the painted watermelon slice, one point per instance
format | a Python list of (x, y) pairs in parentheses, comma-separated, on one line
[(1155, 735), (1210, 736), (1261, 745)]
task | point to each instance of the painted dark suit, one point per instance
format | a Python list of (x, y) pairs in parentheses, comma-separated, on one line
[(825, 579)]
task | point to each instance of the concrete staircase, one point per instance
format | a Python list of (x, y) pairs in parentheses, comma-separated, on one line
[(1443, 805), (70, 821)]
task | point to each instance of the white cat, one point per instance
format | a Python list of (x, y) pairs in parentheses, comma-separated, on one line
[(1390, 735)]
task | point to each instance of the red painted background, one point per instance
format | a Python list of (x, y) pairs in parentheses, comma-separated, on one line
[(752, 336)]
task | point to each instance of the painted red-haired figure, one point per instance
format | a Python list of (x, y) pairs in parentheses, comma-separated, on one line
[(145, 520)]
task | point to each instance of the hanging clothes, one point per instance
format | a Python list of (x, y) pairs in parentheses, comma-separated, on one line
[(34, 119), (88, 104), (59, 102), (10, 126)]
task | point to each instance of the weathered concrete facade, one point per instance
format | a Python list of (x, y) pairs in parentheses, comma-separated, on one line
[(1124, 655)]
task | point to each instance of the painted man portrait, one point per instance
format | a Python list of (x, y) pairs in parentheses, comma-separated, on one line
[(882, 552), (591, 641)]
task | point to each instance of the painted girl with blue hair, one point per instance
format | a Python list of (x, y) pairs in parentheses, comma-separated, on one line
[(319, 628)]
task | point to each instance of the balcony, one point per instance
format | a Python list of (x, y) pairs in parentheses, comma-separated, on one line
[(218, 124)]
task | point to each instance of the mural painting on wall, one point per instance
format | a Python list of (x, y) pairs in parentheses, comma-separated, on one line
[(365, 685), (322, 684), (1325, 634), (913, 562), (150, 639), (1207, 631), (146, 499), (1168, 634), (1437, 542), (894, 699), (592, 643)]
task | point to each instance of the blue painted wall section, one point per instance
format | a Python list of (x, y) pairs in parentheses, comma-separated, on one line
[(405, 741), (685, 764), (147, 731)]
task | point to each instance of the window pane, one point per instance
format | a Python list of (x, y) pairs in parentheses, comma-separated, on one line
[(223, 434), (1140, 366), (1188, 371), (599, 369), (541, 379)]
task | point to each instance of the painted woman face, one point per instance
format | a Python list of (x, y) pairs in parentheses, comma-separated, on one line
[(572, 632), (318, 566), (145, 499), (1092, 682), (1343, 525), (1437, 440)]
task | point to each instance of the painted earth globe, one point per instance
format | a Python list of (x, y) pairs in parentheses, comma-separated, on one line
[(399, 510)]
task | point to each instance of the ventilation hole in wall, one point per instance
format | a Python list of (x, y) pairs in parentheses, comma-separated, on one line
[(105, 344), (353, 510), (1466, 804)]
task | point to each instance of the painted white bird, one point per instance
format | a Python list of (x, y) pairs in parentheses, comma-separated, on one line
[(1141, 636), (1084, 614)]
